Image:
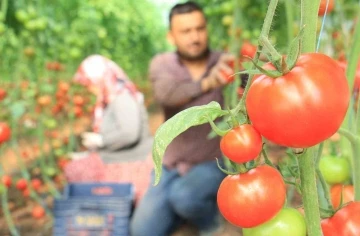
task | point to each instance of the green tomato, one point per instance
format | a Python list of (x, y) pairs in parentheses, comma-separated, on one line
[(246, 34), (59, 152), (51, 123), (335, 170), (287, 222), (227, 7), (50, 171), (227, 20), (21, 16), (75, 52)]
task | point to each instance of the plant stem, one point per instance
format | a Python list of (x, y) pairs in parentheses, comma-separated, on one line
[(309, 17), (264, 33), (4, 8), (7, 214), (355, 145), (321, 178), (309, 191), (289, 18)]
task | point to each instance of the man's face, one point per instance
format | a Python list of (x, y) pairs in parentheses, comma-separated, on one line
[(189, 34)]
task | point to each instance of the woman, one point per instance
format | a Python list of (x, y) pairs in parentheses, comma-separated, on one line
[(120, 141)]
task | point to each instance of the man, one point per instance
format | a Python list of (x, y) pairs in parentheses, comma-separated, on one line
[(191, 76)]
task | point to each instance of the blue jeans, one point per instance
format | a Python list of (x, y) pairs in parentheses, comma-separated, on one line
[(176, 199)]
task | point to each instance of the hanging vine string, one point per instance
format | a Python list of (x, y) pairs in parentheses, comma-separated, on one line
[(322, 26)]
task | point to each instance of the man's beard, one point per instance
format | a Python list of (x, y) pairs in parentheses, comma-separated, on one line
[(199, 57)]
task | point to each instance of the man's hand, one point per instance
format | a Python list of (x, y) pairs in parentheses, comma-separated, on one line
[(92, 140), (219, 74)]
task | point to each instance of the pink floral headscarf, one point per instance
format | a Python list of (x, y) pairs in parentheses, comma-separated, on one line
[(111, 80)]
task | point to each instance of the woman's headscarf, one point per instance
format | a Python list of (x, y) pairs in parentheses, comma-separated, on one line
[(110, 80)]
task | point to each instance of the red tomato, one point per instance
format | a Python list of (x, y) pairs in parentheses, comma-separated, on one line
[(21, 184), (26, 192), (38, 212), (6, 180), (328, 228), (252, 198), (5, 132), (241, 144), (248, 49), (229, 78), (322, 7), (303, 107), (78, 111), (346, 221), (347, 194), (63, 86), (3, 94), (36, 184)]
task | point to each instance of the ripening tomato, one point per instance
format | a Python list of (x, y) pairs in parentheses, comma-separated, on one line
[(21, 184), (6, 180), (36, 184), (287, 222), (3, 94), (250, 199), (304, 106), (335, 170), (248, 49), (5, 132), (322, 7), (78, 100), (348, 194), (241, 144), (38, 212), (345, 222), (78, 111), (44, 100), (63, 86)]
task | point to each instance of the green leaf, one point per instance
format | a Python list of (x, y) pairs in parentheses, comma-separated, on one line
[(179, 123), (294, 50)]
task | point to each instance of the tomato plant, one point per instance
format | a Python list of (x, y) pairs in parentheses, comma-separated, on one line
[(347, 194), (290, 102), (5, 132), (287, 222), (241, 144), (250, 199), (335, 170)]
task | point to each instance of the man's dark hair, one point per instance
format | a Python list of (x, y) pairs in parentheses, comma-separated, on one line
[(183, 8)]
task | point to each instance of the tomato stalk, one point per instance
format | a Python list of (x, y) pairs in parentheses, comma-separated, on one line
[(47, 180), (325, 187), (264, 34), (289, 18), (7, 214), (355, 144), (4, 8), (309, 17)]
